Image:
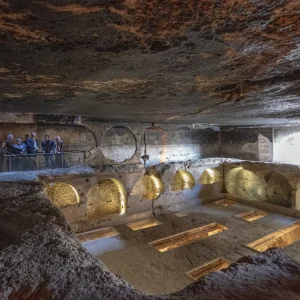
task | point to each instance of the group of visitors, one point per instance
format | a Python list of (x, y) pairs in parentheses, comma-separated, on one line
[(30, 147)]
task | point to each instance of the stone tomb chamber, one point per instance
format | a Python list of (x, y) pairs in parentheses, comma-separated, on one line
[(149, 150)]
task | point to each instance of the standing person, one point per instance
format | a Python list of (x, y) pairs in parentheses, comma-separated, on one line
[(32, 148), (59, 149), (19, 147), (10, 149), (26, 160), (18, 151), (59, 144), (32, 144), (3, 157), (26, 139), (10, 144), (48, 148)]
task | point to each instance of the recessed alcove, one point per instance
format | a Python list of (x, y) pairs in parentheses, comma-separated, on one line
[(107, 197), (153, 187), (210, 176), (182, 180), (62, 194)]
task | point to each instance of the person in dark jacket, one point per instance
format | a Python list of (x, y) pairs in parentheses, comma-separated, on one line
[(32, 149), (48, 147), (3, 157), (26, 139), (32, 144)]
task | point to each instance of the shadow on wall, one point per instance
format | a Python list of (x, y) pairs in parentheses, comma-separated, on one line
[(62, 194), (182, 180), (270, 187), (108, 196)]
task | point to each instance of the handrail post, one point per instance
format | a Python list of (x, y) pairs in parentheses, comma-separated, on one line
[(62, 160), (9, 163)]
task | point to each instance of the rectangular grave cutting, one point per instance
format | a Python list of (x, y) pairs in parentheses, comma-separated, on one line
[(97, 234), (252, 215), (181, 214), (280, 238), (224, 202), (138, 225), (187, 237), (81, 237), (209, 267)]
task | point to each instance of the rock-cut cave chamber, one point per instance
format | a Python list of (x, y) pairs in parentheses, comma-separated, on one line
[(162, 160)]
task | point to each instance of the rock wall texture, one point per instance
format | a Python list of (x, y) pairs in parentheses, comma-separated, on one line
[(232, 62), (246, 143), (168, 144), (40, 259)]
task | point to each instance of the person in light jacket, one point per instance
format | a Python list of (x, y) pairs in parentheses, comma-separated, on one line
[(59, 149), (19, 156)]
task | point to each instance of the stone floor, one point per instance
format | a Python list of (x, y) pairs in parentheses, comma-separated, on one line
[(153, 272)]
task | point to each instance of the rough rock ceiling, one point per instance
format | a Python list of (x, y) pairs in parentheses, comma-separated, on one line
[(227, 62)]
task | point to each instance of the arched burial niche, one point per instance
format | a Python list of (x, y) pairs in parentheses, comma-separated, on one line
[(107, 197), (210, 176), (62, 194), (245, 184), (119, 144), (152, 187), (182, 180), (279, 190)]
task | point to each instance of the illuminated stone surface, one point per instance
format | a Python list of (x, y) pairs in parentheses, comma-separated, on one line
[(245, 184), (187, 237), (211, 266), (225, 202), (106, 197), (251, 216), (142, 224), (62, 194), (153, 187), (181, 214), (182, 180), (280, 238), (210, 176), (97, 234)]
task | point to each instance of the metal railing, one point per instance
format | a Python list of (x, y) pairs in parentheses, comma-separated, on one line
[(41, 161)]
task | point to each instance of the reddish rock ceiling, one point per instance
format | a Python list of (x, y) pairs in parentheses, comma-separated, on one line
[(218, 62)]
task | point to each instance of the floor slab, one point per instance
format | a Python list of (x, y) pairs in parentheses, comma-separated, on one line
[(145, 268)]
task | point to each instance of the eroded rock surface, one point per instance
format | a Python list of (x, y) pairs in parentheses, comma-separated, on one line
[(218, 62), (40, 259)]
